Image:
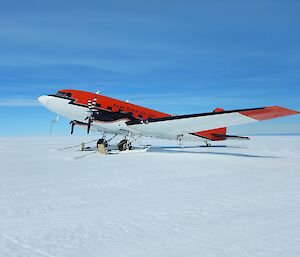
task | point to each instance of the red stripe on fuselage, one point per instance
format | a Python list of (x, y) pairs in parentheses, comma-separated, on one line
[(116, 105)]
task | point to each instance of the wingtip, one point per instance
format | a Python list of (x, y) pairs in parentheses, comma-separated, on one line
[(285, 110)]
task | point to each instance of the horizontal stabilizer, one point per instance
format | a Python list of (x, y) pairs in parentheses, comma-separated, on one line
[(226, 137)]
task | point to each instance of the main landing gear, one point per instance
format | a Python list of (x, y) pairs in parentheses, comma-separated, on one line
[(104, 146), (124, 145), (102, 141)]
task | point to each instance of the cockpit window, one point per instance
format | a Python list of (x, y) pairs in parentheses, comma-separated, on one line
[(60, 93)]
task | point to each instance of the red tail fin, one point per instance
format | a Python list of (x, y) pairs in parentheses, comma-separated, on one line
[(218, 110)]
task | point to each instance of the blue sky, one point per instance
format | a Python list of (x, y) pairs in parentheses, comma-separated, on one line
[(175, 56)]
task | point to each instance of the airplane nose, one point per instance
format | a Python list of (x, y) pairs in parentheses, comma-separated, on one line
[(44, 100)]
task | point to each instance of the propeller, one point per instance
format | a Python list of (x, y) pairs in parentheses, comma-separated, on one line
[(54, 122), (72, 126), (90, 117)]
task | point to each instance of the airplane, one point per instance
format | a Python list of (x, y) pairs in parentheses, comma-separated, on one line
[(108, 115)]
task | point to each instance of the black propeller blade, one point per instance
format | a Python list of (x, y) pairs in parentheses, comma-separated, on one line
[(72, 126), (89, 124)]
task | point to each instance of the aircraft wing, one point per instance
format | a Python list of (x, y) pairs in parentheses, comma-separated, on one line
[(182, 124)]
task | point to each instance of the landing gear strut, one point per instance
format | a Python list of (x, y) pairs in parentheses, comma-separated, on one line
[(124, 145), (207, 144)]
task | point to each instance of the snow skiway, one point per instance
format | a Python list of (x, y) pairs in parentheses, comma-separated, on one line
[(108, 115), (238, 200)]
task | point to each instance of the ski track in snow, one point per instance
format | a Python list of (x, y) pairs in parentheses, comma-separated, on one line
[(16, 242), (235, 199)]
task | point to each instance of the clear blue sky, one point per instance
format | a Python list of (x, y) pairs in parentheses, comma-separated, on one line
[(175, 56)]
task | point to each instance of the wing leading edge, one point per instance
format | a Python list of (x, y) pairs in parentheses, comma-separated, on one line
[(182, 124)]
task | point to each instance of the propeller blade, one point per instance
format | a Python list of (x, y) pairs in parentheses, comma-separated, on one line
[(72, 127), (89, 125)]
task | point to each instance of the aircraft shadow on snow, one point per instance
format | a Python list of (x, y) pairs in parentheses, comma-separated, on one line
[(177, 149)]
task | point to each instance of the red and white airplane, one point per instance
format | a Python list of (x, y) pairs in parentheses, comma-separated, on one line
[(108, 115)]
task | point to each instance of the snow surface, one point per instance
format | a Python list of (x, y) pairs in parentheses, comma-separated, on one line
[(237, 199)]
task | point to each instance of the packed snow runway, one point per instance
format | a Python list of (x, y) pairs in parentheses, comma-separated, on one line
[(238, 199)]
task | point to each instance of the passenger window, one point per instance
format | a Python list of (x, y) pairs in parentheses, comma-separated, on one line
[(109, 108)]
